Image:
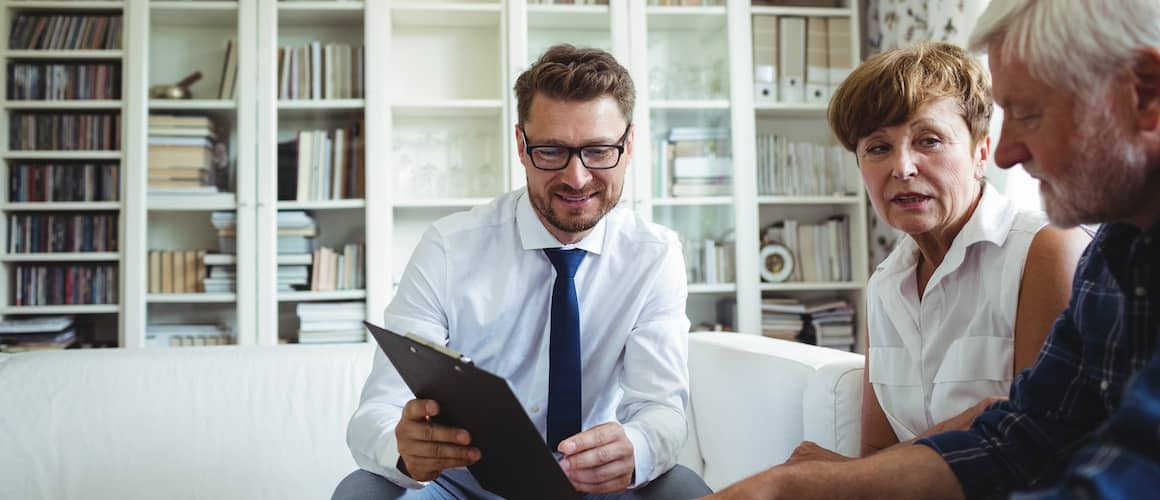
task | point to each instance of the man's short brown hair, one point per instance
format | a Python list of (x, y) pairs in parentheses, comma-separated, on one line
[(890, 87), (568, 73)]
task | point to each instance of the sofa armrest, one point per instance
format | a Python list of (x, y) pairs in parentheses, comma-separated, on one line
[(754, 399)]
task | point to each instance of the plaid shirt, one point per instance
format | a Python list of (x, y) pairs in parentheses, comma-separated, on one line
[(1085, 420)]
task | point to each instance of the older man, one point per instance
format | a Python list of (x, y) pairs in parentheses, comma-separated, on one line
[(1079, 81)]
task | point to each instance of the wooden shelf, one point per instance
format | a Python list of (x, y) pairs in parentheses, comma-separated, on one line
[(809, 200), (96, 55), (322, 205), (321, 296), (63, 309), (443, 203), (452, 108), (64, 5), (773, 10), (692, 201), (191, 104), (62, 155), (63, 104), (712, 287), (791, 286), (67, 206), (62, 257), (191, 298)]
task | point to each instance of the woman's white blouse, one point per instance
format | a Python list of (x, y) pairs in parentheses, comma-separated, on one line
[(934, 358)]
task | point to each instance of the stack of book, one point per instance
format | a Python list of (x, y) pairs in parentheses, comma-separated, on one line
[(181, 155), (709, 261), (331, 322), (322, 165), (177, 271), (823, 322), (335, 271), (222, 274), (294, 272), (821, 251), (296, 232), (226, 224), (697, 162), (181, 335), (316, 71), (34, 334), (791, 168)]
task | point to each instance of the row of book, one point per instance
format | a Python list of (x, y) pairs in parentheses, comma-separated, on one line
[(824, 322), (337, 271), (317, 71), (188, 335), (65, 32), (65, 284), (696, 161), (54, 232), (786, 167), (709, 261), (322, 165), (820, 252), (183, 155), (70, 81), (65, 132), (40, 182), (37, 333), (331, 322), (177, 271), (800, 59)]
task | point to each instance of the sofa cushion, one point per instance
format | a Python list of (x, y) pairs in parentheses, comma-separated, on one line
[(213, 422)]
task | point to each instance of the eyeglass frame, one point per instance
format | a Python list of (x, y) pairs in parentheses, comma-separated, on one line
[(576, 151)]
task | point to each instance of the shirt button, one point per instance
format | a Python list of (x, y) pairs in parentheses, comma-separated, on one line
[(1141, 291), (1103, 385), (535, 409)]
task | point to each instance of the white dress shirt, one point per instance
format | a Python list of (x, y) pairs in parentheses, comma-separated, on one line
[(934, 358), (480, 283)]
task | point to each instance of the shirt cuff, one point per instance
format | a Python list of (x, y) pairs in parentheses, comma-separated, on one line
[(969, 459), (391, 458), (642, 455)]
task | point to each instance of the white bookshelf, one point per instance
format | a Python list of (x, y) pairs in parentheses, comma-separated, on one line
[(438, 74), (99, 323)]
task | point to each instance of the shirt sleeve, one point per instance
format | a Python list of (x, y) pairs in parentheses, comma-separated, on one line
[(417, 308), (655, 372), (1018, 443), (1123, 461)]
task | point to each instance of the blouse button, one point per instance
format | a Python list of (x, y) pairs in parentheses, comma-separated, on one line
[(535, 409), (1141, 291), (1103, 385)]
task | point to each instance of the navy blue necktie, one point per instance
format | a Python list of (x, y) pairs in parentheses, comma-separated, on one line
[(564, 349)]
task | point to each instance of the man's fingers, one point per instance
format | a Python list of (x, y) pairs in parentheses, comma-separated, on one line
[(420, 409), (424, 431), (591, 438), (602, 473), (436, 465), (597, 457)]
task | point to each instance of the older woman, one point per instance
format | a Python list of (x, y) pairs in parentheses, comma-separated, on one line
[(965, 300)]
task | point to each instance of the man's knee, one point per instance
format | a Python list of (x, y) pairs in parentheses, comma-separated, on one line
[(678, 483), (363, 485)]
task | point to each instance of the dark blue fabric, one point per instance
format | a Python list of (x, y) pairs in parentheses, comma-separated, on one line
[(564, 348), (1084, 421)]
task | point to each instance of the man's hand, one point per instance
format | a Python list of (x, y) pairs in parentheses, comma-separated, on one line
[(599, 460), (962, 421), (427, 448), (810, 451)]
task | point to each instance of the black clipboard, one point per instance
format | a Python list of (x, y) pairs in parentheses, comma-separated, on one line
[(515, 463)]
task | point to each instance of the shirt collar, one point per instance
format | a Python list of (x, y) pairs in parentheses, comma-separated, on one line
[(534, 236), (990, 222)]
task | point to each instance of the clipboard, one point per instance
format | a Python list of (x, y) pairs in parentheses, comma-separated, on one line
[(515, 463)]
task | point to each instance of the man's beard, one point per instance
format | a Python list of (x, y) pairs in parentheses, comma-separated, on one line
[(606, 200), (1107, 179)]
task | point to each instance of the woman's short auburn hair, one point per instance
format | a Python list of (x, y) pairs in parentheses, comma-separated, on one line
[(890, 87)]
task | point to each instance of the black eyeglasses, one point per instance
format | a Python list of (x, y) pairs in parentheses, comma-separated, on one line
[(593, 157)]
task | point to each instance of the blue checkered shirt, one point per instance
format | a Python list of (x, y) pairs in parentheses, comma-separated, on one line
[(1084, 422)]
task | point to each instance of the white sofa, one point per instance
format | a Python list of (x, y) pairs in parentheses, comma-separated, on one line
[(269, 422)]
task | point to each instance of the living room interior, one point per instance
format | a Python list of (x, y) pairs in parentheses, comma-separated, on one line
[(206, 199)]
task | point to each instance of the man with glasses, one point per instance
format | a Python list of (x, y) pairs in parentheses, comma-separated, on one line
[(578, 304)]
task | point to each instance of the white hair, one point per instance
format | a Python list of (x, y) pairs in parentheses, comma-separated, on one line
[(1076, 45)]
